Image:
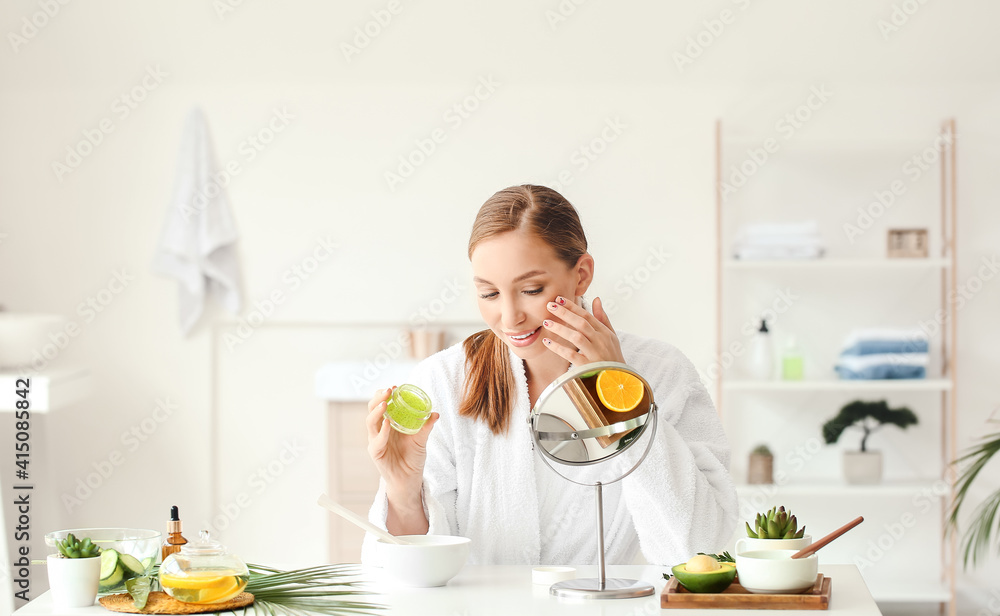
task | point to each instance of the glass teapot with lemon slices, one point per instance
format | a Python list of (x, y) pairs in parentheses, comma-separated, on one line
[(203, 572)]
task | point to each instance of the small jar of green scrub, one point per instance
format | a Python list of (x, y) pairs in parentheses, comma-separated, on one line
[(407, 409)]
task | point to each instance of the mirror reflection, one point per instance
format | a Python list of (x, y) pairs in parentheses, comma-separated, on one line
[(591, 413)]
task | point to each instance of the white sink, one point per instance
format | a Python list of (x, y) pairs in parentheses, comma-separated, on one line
[(24, 334)]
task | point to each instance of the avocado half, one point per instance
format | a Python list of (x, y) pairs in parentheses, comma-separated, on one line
[(710, 581)]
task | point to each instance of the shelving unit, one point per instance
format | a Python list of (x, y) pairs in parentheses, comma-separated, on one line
[(800, 407)]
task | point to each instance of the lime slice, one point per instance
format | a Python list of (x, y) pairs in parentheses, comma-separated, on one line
[(109, 562), (138, 588)]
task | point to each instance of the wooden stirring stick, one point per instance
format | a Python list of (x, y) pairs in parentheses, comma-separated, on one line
[(816, 545)]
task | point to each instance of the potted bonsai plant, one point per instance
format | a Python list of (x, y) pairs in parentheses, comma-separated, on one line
[(979, 533), (761, 469), (74, 572), (865, 466)]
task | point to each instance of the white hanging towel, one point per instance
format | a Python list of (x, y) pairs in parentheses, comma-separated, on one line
[(198, 242)]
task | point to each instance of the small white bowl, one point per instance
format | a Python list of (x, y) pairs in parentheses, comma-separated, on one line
[(774, 571), (429, 560)]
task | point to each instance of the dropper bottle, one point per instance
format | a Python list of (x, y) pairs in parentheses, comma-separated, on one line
[(174, 537)]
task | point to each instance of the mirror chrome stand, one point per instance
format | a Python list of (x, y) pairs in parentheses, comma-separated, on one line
[(601, 587)]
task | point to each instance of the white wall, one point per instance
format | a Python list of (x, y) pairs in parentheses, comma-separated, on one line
[(323, 176)]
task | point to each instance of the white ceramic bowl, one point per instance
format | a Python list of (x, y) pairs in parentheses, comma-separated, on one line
[(430, 560), (774, 571), (749, 544)]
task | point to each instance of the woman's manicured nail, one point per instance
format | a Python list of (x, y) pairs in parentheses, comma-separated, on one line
[(547, 323), (553, 306), (546, 341), (560, 300)]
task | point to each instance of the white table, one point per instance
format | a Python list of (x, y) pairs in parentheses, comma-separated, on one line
[(507, 589)]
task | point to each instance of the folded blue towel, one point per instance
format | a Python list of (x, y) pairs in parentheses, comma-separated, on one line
[(869, 347), (883, 371)]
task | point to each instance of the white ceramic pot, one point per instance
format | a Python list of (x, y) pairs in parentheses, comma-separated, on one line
[(73, 581), (774, 571), (863, 467), (747, 544), (430, 560)]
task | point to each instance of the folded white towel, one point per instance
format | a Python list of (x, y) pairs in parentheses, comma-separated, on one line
[(198, 243), (752, 253), (804, 228)]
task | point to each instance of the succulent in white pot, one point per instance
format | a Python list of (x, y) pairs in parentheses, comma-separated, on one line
[(74, 572)]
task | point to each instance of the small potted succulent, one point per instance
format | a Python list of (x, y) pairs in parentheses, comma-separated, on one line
[(74, 572), (776, 529), (761, 469), (865, 466)]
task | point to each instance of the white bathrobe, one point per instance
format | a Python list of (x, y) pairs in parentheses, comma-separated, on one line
[(680, 501)]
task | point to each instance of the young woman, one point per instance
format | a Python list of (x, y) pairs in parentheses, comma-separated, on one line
[(471, 470)]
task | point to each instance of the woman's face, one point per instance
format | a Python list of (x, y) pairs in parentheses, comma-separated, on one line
[(516, 275)]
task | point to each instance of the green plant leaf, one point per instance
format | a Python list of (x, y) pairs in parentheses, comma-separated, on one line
[(138, 589), (978, 536)]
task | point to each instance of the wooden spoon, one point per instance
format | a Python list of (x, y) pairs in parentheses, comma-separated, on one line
[(816, 545), (328, 503)]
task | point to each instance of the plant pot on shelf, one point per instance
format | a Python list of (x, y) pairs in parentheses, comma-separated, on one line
[(73, 581), (863, 467), (761, 469)]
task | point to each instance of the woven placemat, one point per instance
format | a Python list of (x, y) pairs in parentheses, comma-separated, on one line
[(162, 603)]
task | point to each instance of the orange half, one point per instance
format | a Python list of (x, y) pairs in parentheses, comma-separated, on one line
[(619, 391)]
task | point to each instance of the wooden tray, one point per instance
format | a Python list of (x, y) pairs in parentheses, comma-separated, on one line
[(675, 596)]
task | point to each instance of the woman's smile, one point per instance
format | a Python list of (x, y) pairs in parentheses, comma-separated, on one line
[(525, 338)]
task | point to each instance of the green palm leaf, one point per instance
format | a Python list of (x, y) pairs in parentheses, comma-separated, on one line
[(977, 537)]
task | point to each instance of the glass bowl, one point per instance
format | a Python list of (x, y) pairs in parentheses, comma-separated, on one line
[(135, 552)]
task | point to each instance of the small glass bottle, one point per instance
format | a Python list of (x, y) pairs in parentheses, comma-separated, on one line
[(174, 539), (407, 409), (203, 572), (792, 368)]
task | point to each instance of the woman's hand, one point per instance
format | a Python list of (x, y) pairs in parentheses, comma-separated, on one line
[(398, 457), (591, 334)]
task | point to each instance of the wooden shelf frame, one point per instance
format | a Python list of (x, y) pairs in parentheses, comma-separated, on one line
[(947, 262)]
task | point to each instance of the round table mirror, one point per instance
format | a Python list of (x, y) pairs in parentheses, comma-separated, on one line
[(580, 424)]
